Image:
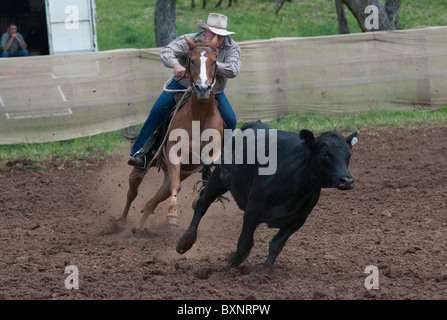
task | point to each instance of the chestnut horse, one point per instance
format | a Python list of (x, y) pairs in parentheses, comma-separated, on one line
[(200, 107)]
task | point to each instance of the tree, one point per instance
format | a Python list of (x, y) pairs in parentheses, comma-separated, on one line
[(193, 5), (343, 26), (387, 16), (279, 5), (165, 26)]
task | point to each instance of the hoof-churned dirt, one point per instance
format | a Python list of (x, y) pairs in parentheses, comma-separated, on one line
[(395, 219)]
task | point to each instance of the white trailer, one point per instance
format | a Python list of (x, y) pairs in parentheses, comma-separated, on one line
[(53, 26)]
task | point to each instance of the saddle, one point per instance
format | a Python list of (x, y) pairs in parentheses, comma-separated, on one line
[(156, 139)]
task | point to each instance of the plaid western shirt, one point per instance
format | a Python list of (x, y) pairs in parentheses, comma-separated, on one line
[(228, 58)]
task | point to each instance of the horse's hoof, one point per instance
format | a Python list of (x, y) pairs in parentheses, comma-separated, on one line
[(121, 220), (118, 225), (172, 221), (113, 226)]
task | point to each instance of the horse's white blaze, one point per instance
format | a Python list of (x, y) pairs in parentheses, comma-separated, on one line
[(203, 76)]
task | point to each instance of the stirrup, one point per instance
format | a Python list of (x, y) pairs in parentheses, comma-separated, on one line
[(138, 162)]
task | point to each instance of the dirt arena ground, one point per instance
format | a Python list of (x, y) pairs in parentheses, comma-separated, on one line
[(394, 219)]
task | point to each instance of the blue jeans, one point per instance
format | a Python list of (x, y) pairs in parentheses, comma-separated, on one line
[(20, 53), (165, 105)]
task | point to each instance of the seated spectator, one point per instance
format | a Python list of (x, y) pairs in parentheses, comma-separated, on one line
[(12, 43)]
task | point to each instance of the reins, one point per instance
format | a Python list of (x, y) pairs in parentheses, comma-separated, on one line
[(172, 90)]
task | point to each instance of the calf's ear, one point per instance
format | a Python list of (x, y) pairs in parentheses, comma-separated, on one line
[(308, 138), (352, 139)]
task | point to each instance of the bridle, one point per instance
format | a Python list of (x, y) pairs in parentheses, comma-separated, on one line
[(188, 63)]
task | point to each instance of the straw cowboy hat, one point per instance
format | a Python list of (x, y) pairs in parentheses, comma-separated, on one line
[(217, 23)]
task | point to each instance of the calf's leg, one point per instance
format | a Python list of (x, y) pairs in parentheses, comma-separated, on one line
[(246, 240), (213, 189), (278, 242)]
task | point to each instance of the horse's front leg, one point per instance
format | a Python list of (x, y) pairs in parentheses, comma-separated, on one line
[(174, 173)]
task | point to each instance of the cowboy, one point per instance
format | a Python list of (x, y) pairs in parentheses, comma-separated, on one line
[(175, 55), (12, 43)]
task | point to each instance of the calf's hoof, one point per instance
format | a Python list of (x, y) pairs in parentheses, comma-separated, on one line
[(234, 259), (186, 241), (268, 270), (172, 221)]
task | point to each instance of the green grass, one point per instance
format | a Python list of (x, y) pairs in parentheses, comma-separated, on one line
[(130, 24), (125, 24), (373, 118), (97, 146)]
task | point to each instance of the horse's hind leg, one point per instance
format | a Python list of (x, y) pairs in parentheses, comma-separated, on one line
[(135, 178), (161, 195)]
